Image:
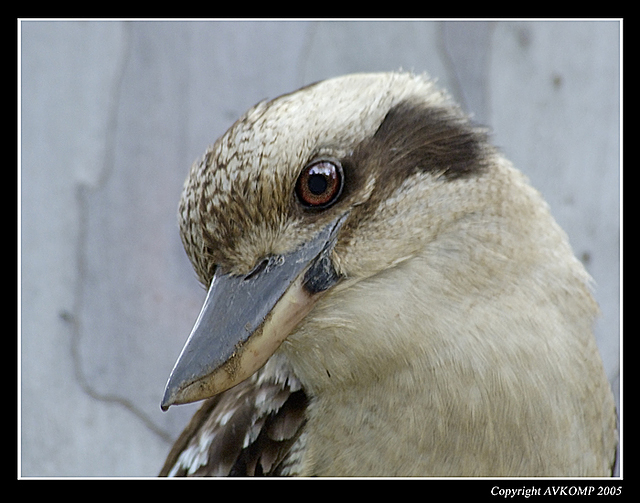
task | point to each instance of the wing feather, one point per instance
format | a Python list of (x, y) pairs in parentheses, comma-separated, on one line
[(249, 430)]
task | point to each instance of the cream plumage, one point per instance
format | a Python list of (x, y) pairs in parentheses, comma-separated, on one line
[(387, 296)]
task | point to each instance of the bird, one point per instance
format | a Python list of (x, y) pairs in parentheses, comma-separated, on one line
[(387, 296)]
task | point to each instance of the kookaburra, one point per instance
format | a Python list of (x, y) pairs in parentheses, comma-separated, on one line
[(387, 296)]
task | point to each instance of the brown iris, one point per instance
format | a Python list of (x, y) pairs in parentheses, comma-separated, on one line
[(320, 184)]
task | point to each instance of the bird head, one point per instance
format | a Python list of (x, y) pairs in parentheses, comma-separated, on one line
[(310, 196)]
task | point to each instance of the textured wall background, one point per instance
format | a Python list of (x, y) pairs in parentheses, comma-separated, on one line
[(113, 115)]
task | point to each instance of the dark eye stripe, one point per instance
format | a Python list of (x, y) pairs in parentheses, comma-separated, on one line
[(320, 184)]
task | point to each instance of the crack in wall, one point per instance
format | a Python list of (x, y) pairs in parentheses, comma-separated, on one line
[(467, 64), (305, 51), (83, 191)]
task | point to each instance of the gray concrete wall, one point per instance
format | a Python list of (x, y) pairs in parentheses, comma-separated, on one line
[(114, 113)]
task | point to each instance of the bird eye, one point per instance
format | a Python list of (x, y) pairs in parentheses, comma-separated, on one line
[(320, 184)]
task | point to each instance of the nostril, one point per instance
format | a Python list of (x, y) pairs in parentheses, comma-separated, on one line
[(257, 269)]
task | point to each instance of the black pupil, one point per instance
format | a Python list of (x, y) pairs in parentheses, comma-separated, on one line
[(317, 184)]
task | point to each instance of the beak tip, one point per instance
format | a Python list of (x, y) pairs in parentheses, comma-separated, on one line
[(166, 401), (169, 397)]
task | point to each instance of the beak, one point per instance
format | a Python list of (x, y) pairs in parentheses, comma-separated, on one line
[(244, 319)]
